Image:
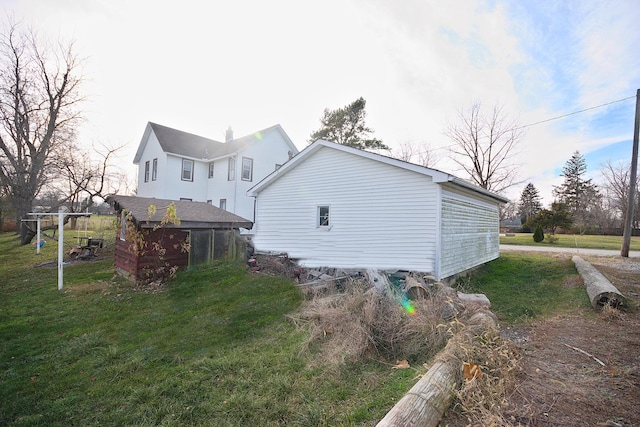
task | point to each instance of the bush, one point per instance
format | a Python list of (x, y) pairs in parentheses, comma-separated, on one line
[(538, 235)]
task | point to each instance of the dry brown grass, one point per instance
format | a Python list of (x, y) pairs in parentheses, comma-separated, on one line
[(353, 321), (484, 400)]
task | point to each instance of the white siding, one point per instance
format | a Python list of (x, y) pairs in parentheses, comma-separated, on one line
[(469, 232), (265, 152), (176, 188), (152, 151), (381, 216)]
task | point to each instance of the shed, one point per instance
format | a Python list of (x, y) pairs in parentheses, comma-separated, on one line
[(209, 233), (336, 206)]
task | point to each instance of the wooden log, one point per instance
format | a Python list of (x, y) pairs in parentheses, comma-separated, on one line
[(429, 398), (601, 292)]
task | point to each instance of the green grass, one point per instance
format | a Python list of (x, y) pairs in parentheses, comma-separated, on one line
[(525, 286), (573, 241), (214, 348)]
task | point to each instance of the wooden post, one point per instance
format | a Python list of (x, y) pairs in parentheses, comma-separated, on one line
[(601, 292), (60, 248), (626, 237)]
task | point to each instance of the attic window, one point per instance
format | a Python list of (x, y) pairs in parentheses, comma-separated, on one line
[(211, 170), (146, 171), (187, 170), (323, 216), (154, 170)]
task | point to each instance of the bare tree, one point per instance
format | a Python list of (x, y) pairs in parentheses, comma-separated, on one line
[(485, 147), (39, 97), (421, 154), (616, 189)]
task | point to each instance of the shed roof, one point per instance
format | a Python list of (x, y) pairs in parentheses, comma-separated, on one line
[(174, 141), (191, 214), (438, 176)]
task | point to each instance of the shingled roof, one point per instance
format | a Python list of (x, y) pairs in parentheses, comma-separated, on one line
[(191, 214), (186, 144)]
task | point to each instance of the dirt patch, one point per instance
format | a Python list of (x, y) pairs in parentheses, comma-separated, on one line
[(578, 369)]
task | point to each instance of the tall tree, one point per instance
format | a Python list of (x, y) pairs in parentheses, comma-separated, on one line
[(485, 146), (38, 112), (580, 195), (347, 126), (616, 190), (529, 203)]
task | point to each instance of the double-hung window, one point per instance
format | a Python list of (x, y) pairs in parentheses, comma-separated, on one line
[(154, 170), (232, 169), (187, 170), (146, 171), (323, 216), (247, 169), (211, 170)]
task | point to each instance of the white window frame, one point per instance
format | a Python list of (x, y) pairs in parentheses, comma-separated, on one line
[(223, 204), (231, 175), (182, 175), (146, 171), (247, 169), (154, 170), (323, 219), (211, 170)]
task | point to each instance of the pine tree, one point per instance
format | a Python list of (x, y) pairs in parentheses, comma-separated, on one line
[(529, 203), (579, 195), (346, 126)]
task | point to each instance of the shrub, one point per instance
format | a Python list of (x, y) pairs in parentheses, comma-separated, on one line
[(538, 235)]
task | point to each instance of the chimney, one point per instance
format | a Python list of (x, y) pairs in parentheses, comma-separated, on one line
[(228, 136)]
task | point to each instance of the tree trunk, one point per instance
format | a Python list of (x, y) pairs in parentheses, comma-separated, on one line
[(601, 292), (429, 398)]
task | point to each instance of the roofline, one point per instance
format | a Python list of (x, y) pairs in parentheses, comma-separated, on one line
[(438, 176)]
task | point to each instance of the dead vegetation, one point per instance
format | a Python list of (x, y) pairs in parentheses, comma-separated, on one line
[(353, 321)]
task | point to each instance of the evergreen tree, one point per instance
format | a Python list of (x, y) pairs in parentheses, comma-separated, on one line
[(538, 235), (580, 196), (346, 126), (529, 203)]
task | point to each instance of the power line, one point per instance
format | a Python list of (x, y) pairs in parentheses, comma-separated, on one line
[(575, 112)]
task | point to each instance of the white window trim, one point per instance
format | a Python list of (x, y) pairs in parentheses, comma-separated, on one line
[(185, 161), (319, 221), (211, 169), (146, 171), (223, 202), (154, 170), (250, 160), (231, 173)]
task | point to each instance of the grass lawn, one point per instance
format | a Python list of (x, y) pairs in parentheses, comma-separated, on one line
[(525, 286), (214, 348), (573, 241)]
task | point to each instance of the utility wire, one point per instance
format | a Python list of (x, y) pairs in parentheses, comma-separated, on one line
[(575, 112)]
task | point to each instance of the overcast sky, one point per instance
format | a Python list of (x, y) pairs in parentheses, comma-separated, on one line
[(202, 66)]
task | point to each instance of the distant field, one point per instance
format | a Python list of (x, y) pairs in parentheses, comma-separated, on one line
[(572, 241)]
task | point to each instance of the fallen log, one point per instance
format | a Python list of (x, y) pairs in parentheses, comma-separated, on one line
[(601, 292), (429, 398)]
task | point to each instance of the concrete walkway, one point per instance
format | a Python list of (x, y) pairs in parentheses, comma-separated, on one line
[(577, 251)]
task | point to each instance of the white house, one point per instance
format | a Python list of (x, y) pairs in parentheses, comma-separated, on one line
[(177, 165), (336, 206)]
